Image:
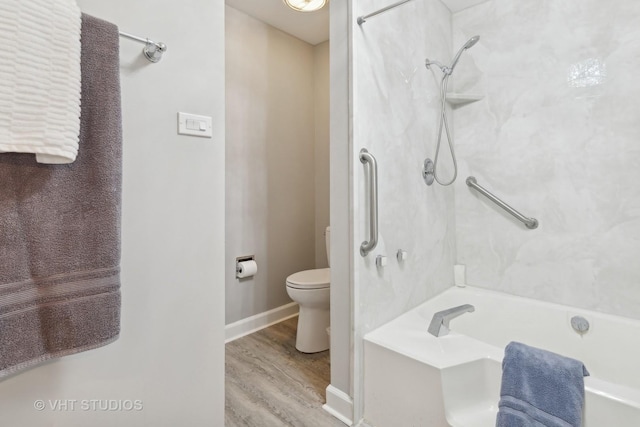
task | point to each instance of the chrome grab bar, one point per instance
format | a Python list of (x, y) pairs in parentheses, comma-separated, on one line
[(368, 246), (531, 223)]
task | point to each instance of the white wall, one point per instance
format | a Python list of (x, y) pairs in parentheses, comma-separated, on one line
[(277, 205), (170, 354), (340, 65), (556, 144), (395, 107)]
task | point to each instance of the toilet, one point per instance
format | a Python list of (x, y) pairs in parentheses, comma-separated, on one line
[(310, 289)]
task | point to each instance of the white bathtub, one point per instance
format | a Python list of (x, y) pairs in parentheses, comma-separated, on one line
[(415, 379)]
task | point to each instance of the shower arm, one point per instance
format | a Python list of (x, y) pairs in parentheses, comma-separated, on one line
[(445, 69)]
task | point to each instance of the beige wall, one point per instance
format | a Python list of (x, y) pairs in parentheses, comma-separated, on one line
[(321, 104), (170, 354), (271, 162)]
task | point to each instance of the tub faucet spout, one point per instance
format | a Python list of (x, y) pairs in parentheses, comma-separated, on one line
[(440, 323)]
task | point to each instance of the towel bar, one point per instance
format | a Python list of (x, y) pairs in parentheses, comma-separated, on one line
[(152, 50)]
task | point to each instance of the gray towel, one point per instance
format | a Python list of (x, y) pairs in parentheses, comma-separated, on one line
[(60, 227), (540, 388)]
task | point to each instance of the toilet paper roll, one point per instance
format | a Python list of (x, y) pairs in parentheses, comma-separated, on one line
[(246, 269)]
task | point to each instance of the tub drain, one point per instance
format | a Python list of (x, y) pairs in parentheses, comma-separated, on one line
[(580, 324)]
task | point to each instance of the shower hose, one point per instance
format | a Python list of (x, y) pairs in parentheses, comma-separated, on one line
[(444, 123)]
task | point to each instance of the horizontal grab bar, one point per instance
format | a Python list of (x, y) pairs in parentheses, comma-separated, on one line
[(531, 223)]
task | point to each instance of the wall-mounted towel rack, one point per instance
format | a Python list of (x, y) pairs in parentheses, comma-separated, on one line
[(152, 50), (363, 19), (530, 223)]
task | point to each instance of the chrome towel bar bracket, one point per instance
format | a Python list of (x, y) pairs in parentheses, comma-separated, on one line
[(530, 223), (369, 245), (152, 50)]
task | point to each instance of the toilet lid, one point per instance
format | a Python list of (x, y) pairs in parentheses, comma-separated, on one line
[(310, 279)]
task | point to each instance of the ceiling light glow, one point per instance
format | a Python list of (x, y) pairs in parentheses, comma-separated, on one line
[(305, 5)]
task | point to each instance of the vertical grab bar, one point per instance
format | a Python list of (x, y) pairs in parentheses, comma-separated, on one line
[(368, 246)]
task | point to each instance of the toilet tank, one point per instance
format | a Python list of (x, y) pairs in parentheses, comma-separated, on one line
[(327, 241)]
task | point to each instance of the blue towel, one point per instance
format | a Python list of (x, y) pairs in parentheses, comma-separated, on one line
[(540, 388)]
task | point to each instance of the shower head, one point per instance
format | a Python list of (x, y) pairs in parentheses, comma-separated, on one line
[(470, 43), (448, 70), (473, 40)]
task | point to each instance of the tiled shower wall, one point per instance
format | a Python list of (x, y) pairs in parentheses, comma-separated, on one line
[(557, 135), (394, 106), (395, 103)]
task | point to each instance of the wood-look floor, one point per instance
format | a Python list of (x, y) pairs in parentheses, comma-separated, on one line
[(271, 384)]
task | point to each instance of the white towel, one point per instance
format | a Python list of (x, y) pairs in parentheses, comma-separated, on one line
[(40, 78)]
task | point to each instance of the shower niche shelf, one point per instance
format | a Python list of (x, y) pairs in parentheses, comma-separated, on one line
[(459, 99)]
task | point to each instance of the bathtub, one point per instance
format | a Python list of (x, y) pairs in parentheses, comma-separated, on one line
[(415, 379)]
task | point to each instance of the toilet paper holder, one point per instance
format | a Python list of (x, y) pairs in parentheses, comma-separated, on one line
[(242, 259)]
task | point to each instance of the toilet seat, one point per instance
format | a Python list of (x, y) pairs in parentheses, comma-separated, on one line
[(310, 279)]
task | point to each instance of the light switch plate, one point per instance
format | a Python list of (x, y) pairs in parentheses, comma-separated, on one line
[(191, 124)]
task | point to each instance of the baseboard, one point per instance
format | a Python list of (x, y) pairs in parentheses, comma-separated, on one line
[(252, 324), (339, 404)]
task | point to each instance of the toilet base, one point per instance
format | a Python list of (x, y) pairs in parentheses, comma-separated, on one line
[(312, 334)]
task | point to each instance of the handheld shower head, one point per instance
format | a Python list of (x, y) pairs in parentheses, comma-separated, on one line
[(448, 70), (446, 73), (470, 43)]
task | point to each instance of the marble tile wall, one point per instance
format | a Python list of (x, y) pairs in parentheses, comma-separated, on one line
[(557, 136), (395, 106)]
